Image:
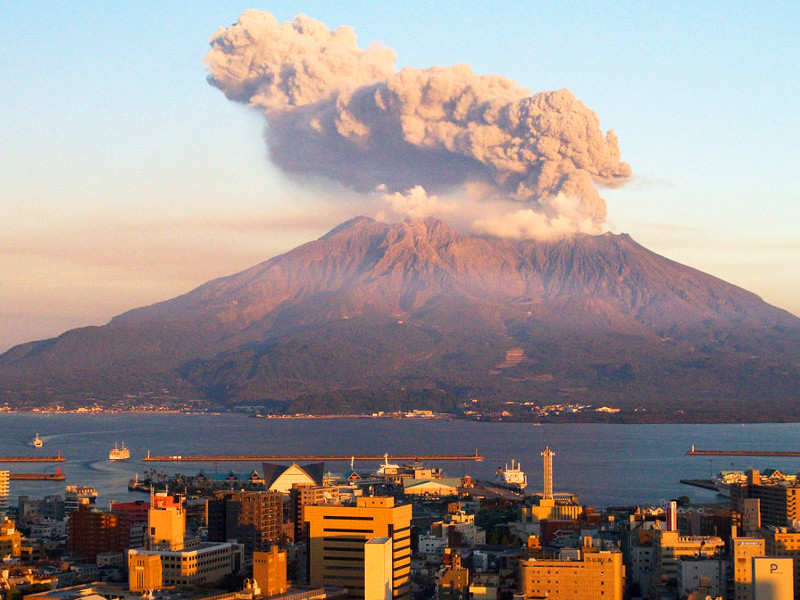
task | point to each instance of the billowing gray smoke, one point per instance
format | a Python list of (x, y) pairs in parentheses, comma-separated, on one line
[(336, 111)]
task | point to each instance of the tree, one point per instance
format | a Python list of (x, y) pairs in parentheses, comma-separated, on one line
[(454, 538), (13, 593)]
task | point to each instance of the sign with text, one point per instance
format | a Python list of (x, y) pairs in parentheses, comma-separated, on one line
[(773, 578)]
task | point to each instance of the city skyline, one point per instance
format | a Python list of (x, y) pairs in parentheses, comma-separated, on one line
[(129, 180)]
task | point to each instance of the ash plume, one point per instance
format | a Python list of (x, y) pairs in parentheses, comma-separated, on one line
[(336, 111)]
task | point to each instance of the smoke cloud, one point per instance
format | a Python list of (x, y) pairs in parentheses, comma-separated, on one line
[(335, 111)]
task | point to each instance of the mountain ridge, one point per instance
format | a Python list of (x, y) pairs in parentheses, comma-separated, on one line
[(418, 305)]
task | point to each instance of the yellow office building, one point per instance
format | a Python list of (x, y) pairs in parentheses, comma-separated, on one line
[(599, 576), (144, 572), (785, 542), (744, 550), (167, 520), (338, 534), (202, 565), (269, 571)]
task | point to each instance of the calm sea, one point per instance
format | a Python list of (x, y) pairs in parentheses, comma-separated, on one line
[(604, 464)]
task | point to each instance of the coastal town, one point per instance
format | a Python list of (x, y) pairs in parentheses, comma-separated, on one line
[(472, 410), (296, 530)]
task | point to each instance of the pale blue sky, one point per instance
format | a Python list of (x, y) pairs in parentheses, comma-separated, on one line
[(126, 179)]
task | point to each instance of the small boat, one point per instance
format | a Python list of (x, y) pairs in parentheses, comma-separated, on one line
[(118, 453), (36, 442)]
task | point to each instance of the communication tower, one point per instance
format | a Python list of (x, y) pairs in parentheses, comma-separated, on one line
[(548, 472)]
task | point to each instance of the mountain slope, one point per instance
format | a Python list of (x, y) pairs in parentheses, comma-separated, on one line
[(418, 307)]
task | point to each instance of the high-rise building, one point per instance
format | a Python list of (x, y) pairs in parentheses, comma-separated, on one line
[(784, 542), (744, 550), (337, 538), (254, 519), (378, 569), (92, 532), (779, 504), (4, 478), (302, 495), (167, 522), (138, 515), (548, 472), (138, 511), (672, 516), (751, 517)]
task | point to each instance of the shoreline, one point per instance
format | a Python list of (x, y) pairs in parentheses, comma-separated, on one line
[(577, 419)]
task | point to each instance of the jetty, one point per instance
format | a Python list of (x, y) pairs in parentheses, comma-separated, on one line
[(311, 457), (706, 484), (37, 476), (787, 453), (19, 459)]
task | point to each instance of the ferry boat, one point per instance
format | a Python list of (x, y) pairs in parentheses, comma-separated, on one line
[(36, 442), (119, 453), (512, 478)]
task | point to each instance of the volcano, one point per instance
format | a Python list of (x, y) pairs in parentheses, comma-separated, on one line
[(376, 316)]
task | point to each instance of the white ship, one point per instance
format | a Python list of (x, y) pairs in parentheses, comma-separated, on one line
[(512, 478), (36, 442), (119, 453), (387, 468)]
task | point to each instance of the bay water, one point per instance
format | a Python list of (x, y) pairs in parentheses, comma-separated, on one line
[(605, 465)]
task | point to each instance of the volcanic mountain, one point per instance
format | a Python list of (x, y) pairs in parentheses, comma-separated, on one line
[(376, 316)]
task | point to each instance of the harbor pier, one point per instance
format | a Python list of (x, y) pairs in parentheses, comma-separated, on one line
[(786, 453), (19, 459), (311, 457), (37, 476)]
